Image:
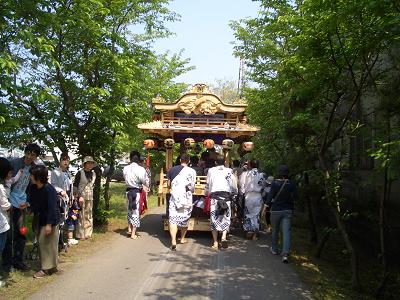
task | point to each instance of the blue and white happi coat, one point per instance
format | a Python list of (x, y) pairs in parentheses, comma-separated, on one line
[(134, 215), (251, 184), (220, 222), (181, 200), (220, 179)]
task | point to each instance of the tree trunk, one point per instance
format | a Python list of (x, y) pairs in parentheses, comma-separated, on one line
[(335, 209), (111, 163), (382, 235), (382, 285), (355, 279), (311, 220), (110, 172), (96, 190), (322, 243)]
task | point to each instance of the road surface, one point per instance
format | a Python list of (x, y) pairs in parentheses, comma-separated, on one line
[(147, 269)]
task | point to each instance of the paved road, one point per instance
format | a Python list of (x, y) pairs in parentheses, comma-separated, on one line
[(147, 269)]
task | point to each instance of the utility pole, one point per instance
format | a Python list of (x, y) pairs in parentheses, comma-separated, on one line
[(241, 79)]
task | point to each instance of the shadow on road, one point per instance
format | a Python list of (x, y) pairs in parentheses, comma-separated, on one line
[(246, 270)]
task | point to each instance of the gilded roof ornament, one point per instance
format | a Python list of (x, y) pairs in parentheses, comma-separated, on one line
[(158, 99), (200, 88), (240, 101)]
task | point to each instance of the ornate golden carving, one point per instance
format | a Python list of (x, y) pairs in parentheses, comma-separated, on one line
[(199, 105), (240, 101), (200, 88), (158, 99), (199, 100)]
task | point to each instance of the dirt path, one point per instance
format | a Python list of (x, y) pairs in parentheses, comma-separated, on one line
[(147, 269)]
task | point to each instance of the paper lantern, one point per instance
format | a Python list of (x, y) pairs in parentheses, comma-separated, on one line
[(209, 144), (227, 144), (247, 146), (23, 230), (169, 143), (149, 144), (189, 143)]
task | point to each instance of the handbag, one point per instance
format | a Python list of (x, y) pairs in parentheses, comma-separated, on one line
[(279, 192)]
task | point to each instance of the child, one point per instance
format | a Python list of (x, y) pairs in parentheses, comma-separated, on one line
[(72, 219), (9, 182), (5, 205)]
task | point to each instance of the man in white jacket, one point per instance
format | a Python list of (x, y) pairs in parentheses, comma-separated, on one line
[(221, 184), (181, 180), (61, 180)]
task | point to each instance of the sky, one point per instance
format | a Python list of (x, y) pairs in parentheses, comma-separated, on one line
[(206, 37)]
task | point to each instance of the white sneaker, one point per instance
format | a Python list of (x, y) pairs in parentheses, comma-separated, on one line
[(285, 259), (2, 283), (273, 252), (72, 242)]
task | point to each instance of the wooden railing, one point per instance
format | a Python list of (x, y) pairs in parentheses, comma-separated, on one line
[(200, 121), (163, 188)]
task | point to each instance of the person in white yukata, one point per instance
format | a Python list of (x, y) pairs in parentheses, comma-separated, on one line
[(181, 180), (135, 178), (251, 184), (221, 184)]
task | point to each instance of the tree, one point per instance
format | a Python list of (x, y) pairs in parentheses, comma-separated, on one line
[(78, 76), (314, 62), (226, 89)]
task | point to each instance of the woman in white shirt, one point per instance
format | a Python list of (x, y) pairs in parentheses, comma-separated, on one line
[(5, 174)]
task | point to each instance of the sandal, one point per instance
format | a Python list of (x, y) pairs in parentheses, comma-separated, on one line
[(40, 274), (215, 247), (135, 237), (224, 244), (173, 247)]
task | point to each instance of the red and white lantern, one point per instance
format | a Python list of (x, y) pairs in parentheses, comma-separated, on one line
[(208, 143), (227, 144), (169, 143), (149, 144), (248, 146), (189, 143)]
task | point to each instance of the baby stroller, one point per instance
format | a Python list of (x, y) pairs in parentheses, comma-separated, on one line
[(63, 204)]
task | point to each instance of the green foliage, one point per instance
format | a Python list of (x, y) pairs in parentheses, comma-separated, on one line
[(317, 64), (313, 61), (78, 77), (101, 216), (225, 89)]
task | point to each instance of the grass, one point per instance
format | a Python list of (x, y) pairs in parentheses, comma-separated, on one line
[(21, 284), (329, 277)]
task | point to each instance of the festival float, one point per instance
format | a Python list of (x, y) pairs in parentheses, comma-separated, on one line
[(198, 117)]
